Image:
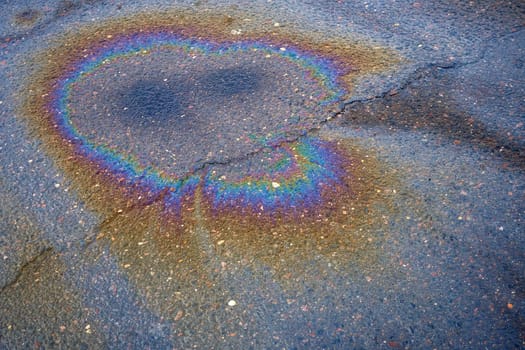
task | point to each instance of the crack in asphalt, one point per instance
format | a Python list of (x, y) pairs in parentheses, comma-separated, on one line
[(37, 259), (418, 74)]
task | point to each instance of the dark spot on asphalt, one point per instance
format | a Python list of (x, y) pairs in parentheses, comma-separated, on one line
[(27, 17), (150, 102), (65, 7)]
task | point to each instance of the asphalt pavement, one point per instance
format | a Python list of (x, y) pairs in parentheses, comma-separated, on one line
[(262, 174)]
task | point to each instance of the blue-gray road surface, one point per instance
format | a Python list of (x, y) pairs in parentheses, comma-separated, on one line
[(451, 275)]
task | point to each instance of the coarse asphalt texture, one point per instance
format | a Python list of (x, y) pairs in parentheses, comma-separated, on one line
[(337, 175)]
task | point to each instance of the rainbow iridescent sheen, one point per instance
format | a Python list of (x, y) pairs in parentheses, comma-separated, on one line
[(296, 177), (301, 177), (240, 179)]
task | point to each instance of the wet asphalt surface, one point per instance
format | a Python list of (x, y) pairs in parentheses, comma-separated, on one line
[(430, 255)]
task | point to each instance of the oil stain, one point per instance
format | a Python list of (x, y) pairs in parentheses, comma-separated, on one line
[(101, 189), (171, 254)]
